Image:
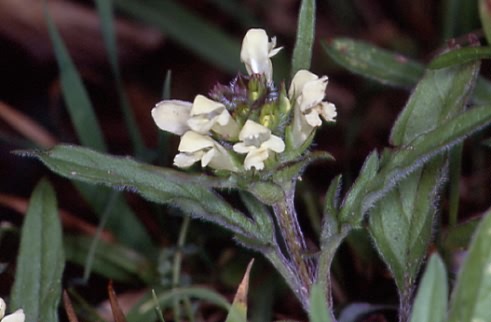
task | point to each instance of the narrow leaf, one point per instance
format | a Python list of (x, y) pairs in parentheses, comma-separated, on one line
[(40, 263), (431, 300), (187, 192), (472, 293), (302, 53), (318, 311), (387, 67), (70, 312), (238, 311), (460, 56), (76, 98), (118, 314), (367, 60)]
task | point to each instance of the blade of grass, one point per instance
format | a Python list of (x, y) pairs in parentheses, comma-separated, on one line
[(302, 53), (176, 269), (76, 98), (105, 10)]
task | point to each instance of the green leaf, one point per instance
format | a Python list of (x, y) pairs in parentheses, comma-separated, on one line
[(446, 91), (457, 237), (40, 263), (485, 15), (111, 260), (401, 224), (367, 60), (76, 98), (187, 192), (460, 56), (238, 311), (387, 67), (318, 311), (302, 53), (188, 29), (105, 10), (472, 293), (431, 301)]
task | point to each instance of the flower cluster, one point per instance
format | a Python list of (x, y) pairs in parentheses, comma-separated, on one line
[(17, 316), (249, 124)]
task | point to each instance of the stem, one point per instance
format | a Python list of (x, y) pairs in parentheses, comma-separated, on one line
[(176, 271), (328, 250), (282, 265), (295, 242), (455, 169)]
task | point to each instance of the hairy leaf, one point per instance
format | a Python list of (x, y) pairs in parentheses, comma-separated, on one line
[(302, 53), (40, 263), (431, 300), (472, 293), (161, 185)]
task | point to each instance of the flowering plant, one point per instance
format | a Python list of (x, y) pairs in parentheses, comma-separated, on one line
[(254, 137)]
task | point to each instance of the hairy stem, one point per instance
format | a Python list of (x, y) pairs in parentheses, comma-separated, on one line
[(295, 243)]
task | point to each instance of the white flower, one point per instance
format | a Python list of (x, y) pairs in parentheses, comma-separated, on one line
[(258, 142), (308, 92), (172, 116), (256, 52), (206, 115), (17, 316), (196, 147)]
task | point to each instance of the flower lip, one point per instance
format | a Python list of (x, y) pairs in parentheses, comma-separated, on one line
[(172, 116)]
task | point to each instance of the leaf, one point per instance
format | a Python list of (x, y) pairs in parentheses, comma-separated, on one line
[(189, 193), (387, 67), (187, 29), (472, 293), (112, 261), (485, 15), (458, 237), (302, 53), (460, 56), (238, 311), (70, 312), (431, 304), (367, 60), (40, 262), (76, 98), (446, 91), (401, 225), (356, 311), (318, 307)]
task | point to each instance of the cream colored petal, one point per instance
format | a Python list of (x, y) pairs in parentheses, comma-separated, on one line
[(313, 118), (242, 148), (192, 142), (252, 129), (328, 111), (204, 105), (222, 160), (313, 93), (185, 160), (172, 116), (298, 82), (201, 124), (255, 159), (3, 307), (301, 129), (17, 316), (254, 51), (207, 157), (275, 144)]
